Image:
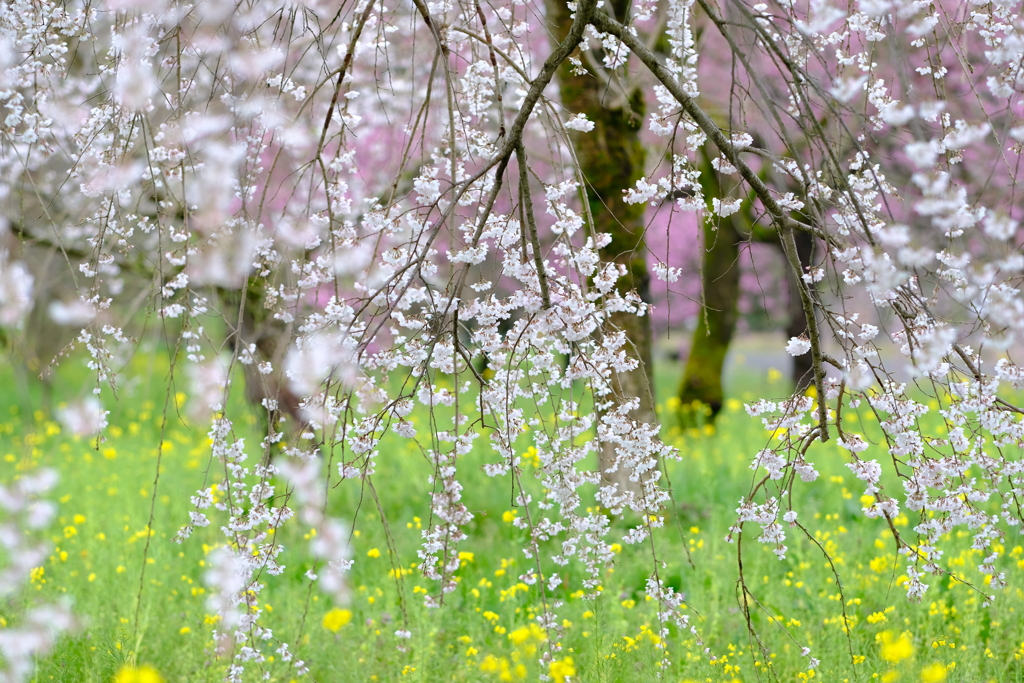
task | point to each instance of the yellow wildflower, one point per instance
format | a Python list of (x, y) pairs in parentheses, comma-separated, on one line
[(336, 619), (562, 669), (895, 650), (933, 673), (520, 635), (142, 674)]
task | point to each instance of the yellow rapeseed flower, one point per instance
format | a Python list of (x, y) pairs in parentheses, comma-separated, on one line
[(336, 619), (562, 669), (895, 650), (373, 552), (880, 564), (141, 674), (933, 673), (490, 664), (519, 636)]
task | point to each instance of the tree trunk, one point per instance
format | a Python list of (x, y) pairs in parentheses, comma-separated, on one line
[(611, 158), (701, 388), (271, 337)]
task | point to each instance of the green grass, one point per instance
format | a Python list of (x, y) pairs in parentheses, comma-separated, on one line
[(139, 606)]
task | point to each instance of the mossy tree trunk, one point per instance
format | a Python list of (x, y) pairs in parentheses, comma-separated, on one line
[(701, 388), (611, 157)]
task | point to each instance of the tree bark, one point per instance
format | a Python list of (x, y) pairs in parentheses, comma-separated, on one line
[(271, 337), (611, 157), (701, 388)]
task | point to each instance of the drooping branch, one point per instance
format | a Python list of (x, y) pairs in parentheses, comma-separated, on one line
[(345, 65), (531, 225), (584, 12), (793, 257), (780, 217)]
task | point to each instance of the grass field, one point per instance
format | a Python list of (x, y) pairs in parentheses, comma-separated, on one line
[(141, 599)]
